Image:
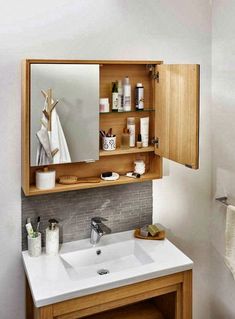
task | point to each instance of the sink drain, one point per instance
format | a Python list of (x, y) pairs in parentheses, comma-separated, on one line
[(102, 272)]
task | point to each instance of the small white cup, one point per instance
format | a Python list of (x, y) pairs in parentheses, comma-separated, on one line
[(109, 143), (35, 245)]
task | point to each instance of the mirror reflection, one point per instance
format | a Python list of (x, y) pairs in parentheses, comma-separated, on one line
[(64, 107)]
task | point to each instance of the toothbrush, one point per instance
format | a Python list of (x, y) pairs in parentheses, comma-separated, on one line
[(38, 224), (102, 133), (29, 229), (109, 134)]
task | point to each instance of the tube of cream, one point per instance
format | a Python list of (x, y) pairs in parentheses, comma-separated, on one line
[(144, 131)]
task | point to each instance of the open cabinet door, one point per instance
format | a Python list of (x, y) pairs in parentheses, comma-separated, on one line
[(177, 113)]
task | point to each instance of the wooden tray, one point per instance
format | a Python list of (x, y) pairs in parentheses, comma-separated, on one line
[(160, 236)]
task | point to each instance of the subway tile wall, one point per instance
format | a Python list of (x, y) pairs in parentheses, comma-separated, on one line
[(125, 206)]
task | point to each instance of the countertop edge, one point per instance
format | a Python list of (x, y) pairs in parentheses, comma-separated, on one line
[(120, 283)]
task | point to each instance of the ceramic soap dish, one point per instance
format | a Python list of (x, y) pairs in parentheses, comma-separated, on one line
[(159, 236)]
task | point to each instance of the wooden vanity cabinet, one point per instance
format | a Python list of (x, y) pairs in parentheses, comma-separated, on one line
[(171, 101), (167, 297)]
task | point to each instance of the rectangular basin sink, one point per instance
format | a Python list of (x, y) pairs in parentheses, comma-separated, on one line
[(104, 260)]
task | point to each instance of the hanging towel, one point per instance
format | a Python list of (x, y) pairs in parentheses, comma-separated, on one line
[(44, 156), (230, 239), (57, 140), (49, 141)]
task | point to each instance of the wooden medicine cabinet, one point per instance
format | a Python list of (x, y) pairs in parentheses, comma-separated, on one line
[(171, 101)]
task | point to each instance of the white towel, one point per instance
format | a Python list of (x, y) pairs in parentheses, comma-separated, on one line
[(56, 139), (230, 239)]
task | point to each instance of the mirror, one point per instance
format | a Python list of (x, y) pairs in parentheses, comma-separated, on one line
[(68, 130)]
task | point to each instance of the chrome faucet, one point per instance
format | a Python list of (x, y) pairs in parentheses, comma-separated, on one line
[(98, 229)]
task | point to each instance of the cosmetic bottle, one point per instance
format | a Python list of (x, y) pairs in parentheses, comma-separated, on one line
[(104, 105), (120, 96), (115, 96), (139, 141), (139, 97), (131, 128), (144, 131), (52, 237), (126, 94), (125, 139)]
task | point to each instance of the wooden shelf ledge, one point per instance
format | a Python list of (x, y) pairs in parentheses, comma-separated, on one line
[(145, 309), (64, 188), (131, 150), (131, 111)]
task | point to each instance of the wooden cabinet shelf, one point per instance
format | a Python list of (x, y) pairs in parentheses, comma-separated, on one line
[(131, 150), (145, 309), (132, 111), (65, 188)]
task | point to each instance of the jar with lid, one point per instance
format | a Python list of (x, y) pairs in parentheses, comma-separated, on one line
[(139, 167)]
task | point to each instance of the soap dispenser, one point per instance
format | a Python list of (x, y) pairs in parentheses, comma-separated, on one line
[(52, 237)]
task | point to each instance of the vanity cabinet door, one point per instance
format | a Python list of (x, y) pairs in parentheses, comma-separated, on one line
[(177, 113)]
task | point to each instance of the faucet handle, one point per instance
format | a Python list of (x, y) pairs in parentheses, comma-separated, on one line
[(98, 220)]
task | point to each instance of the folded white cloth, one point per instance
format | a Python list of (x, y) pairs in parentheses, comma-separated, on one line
[(230, 239)]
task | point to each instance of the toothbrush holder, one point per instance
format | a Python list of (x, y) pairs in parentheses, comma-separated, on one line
[(109, 143), (35, 245)]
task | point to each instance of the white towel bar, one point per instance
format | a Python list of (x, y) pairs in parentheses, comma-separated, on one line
[(223, 200)]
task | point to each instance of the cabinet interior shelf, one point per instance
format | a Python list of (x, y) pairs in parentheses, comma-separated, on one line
[(131, 150), (132, 111), (122, 180)]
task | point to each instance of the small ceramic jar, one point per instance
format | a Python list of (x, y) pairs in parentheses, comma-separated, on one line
[(139, 167), (109, 143), (35, 245)]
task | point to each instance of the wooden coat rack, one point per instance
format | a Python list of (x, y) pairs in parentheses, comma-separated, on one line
[(48, 111), (50, 106)]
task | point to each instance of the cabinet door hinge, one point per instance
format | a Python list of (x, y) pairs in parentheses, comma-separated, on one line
[(155, 141), (156, 76)]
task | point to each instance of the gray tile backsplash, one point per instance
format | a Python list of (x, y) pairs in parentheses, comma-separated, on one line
[(125, 206)]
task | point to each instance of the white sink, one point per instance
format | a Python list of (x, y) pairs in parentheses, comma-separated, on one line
[(105, 260), (73, 272)]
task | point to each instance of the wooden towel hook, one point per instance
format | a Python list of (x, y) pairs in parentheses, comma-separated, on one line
[(50, 106)]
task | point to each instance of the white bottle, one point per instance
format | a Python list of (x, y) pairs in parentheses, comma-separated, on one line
[(52, 237), (131, 128), (126, 94), (120, 97), (144, 131)]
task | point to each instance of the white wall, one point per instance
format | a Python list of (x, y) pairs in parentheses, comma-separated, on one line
[(182, 199), (175, 31), (223, 147)]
